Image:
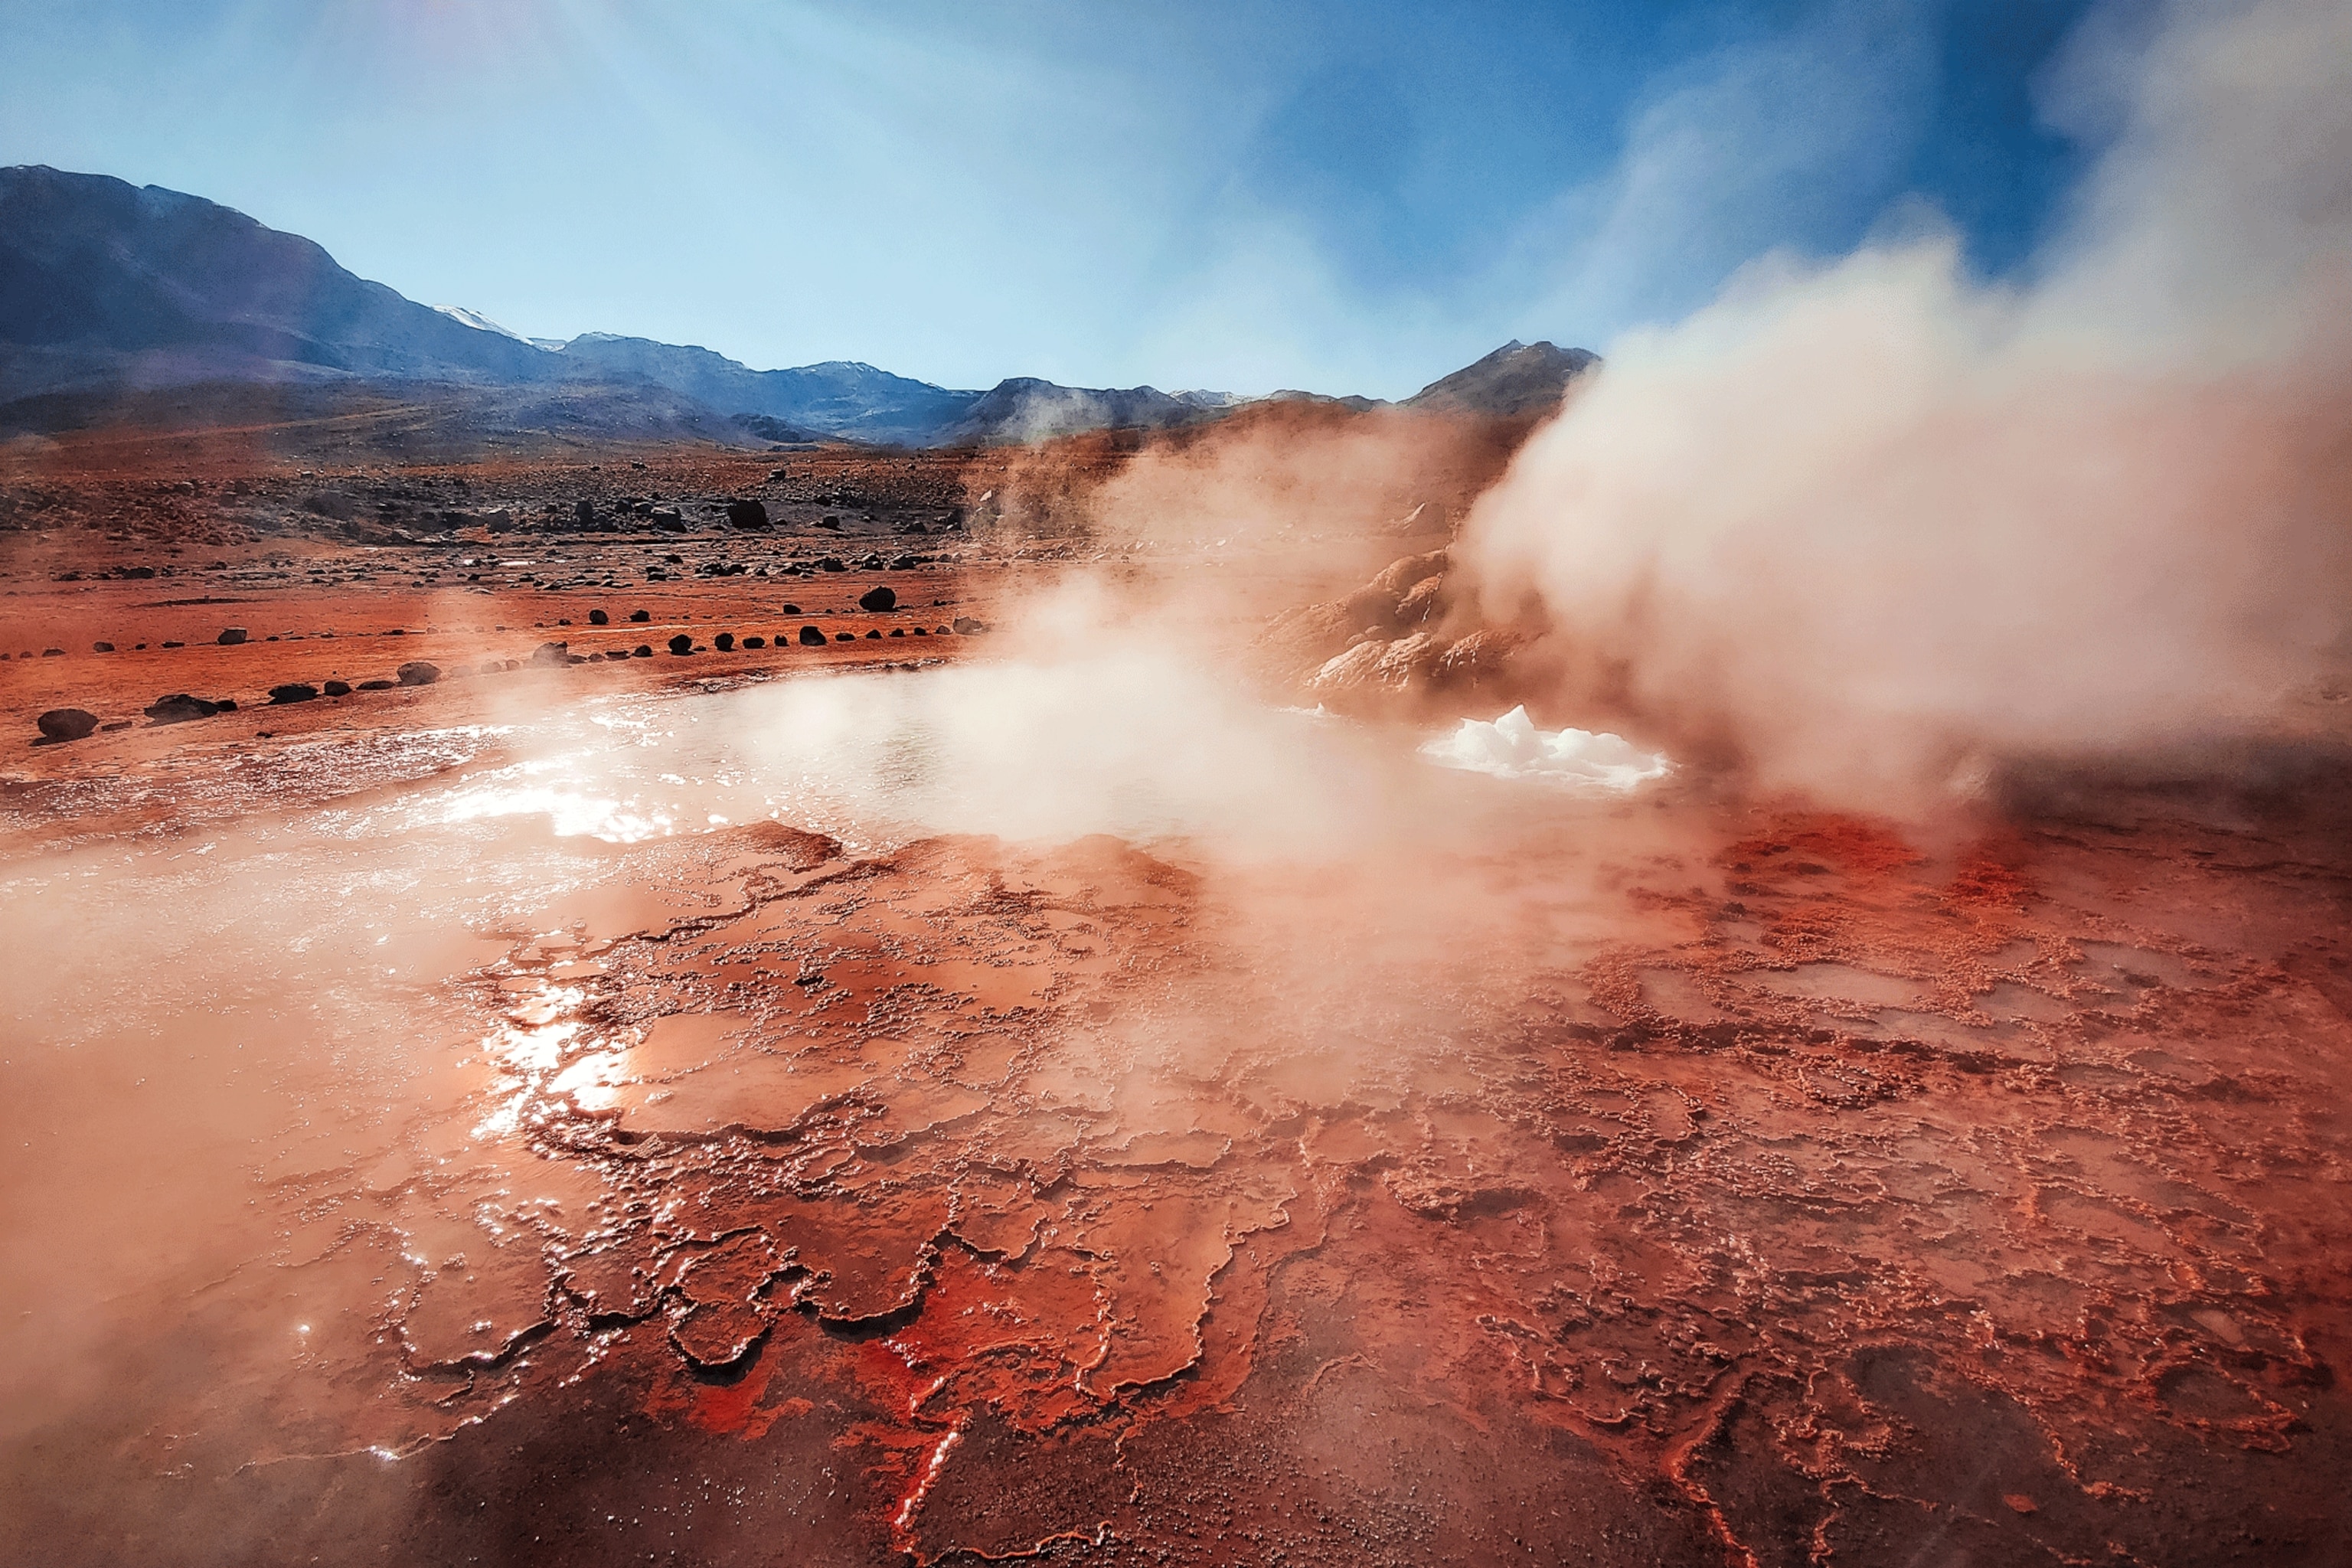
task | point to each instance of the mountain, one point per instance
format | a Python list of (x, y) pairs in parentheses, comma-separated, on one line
[(838, 397), (109, 289), (99, 277), (1516, 379), (1024, 408)]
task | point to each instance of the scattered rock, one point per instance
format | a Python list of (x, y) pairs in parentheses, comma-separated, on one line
[(584, 512), (417, 672), (53, 653), (68, 723), (755, 642), (788, 609), (643, 650), (897, 631), (101, 648), (844, 636), (599, 618), (292, 691), (681, 644), (338, 688), (747, 513), (812, 637), (545, 653), (874, 634), (831, 563), (179, 708), (724, 642), (231, 636), (377, 685), (966, 626), (640, 615), (878, 599)]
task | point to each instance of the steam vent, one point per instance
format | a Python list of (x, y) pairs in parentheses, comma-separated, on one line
[(1731, 948)]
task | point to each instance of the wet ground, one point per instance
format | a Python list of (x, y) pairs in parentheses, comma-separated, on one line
[(938, 1115)]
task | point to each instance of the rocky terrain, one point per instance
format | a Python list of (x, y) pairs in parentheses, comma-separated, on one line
[(578, 1000)]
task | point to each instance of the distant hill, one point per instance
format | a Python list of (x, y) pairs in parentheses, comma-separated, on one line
[(1024, 408), (96, 275), (1516, 379), (108, 289)]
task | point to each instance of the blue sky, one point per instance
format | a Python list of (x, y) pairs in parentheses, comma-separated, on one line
[(1350, 197)]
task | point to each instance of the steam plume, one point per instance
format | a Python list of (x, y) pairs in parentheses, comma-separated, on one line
[(1854, 523)]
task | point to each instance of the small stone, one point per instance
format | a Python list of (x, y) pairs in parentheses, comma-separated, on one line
[(376, 685), (417, 672), (179, 707), (897, 631), (724, 642), (53, 653), (877, 599), (832, 563), (812, 637), (844, 636), (337, 688), (599, 618), (966, 626), (788, 610), (644, 650), (231, 636), (67, 723), (755, 642), (292, 691), (681, 644), (101, 648), (747, 514), (641, 616), (876, 634)]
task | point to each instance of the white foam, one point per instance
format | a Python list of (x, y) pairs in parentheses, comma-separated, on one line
[(1513, 748)]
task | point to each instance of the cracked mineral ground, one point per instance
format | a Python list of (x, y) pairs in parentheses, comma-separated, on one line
[(748, 1114)]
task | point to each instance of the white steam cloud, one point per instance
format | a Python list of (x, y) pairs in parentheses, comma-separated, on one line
[(1852, 525)]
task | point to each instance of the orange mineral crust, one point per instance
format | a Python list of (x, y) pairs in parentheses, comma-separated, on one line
[(1569, 1179)]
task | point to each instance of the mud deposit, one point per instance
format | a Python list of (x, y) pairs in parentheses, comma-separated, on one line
[(624, 1138)]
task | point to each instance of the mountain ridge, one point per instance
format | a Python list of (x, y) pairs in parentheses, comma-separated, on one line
[(105, 286)]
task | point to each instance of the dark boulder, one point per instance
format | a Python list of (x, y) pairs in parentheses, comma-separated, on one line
[(724, 642), (832, 563), (231, 636), (338, 688), (599, 618), (641, 616), (681, 644), (812, 637), (417, 672), (292, 691), (101, 648), (644, 650), (377, 685), (878, 599), (179, 708), (584, 512), (67, 723), (747, 513), (755, 642), (874, 634), (844, 636)]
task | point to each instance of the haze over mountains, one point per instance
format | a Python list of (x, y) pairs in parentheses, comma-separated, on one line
[(109, 289)]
